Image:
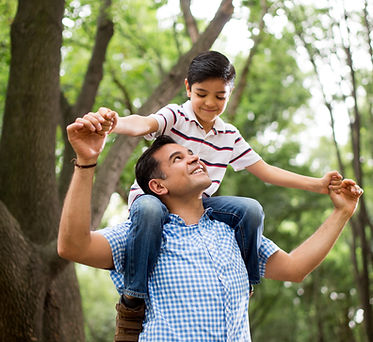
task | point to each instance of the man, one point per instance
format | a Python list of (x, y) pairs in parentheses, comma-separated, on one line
[(199, 289)]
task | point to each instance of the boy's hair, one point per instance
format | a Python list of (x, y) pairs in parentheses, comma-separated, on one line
[(210, 64), (147, 167)]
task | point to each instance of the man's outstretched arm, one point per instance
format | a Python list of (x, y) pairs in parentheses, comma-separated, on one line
[(76, 241), (296, 265)]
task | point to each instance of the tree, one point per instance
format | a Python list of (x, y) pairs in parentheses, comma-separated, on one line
[(39, 293)]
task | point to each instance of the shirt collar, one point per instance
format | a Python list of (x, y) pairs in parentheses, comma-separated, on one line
[(176, 225)]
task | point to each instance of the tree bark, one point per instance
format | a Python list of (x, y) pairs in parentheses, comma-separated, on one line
[(39, 296), (109, 172)]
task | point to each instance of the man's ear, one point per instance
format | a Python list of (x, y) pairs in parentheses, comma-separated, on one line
[(157, 187), (188, 89)]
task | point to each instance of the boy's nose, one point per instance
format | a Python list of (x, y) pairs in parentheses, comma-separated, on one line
[(209, 101)]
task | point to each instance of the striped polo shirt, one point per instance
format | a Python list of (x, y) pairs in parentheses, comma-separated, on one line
[(223, 145)]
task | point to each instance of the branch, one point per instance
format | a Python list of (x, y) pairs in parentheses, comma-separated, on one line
[(93, 77), (190, 22), (108, 174), (86, 98), (124, 90), (242, 83)]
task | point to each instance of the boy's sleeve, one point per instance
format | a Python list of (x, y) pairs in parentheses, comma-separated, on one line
[(166, 118), (266, 249), (243, 155)]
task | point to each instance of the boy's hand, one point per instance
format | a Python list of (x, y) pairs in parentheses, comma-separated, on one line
[(331, 181), (110, 116), (101, 122)]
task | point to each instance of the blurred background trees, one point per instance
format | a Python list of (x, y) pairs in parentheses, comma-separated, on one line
[(303, 99)]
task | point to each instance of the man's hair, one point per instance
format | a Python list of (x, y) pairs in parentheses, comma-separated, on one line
[(210, 64), (147, 167)]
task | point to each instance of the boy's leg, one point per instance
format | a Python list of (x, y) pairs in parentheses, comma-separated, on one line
[(246, 217), (147, 215)]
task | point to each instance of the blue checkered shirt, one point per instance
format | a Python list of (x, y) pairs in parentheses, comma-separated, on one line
[(199, 288)]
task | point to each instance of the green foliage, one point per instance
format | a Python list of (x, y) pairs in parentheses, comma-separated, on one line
[(141, 51), (98, 297), (7, 13)]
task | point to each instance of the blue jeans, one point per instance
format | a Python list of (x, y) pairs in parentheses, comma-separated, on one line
[(148, 215)]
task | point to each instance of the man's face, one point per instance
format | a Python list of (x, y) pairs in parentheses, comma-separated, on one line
[(184, 172), (209, 99)]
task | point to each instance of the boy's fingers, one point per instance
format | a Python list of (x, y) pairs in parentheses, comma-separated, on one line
[(103, 110), (336, 175)]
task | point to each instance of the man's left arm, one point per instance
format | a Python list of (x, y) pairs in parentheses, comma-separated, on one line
[(296, 265)]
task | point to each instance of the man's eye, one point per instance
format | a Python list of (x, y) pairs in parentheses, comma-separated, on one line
[(177, 158)]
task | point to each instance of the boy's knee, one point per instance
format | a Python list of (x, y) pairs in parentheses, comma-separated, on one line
[(252, 207), (149, 206)]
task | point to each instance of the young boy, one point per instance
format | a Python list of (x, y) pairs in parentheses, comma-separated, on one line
[(197, 125)]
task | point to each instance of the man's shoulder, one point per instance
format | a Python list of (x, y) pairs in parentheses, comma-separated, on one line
[(114, 231)]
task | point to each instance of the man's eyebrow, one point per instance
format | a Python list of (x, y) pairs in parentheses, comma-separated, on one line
[(172, 155)]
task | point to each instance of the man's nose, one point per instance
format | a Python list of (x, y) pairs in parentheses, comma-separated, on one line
[(193, 158)]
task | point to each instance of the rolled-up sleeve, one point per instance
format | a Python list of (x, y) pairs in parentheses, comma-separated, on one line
[(266, 249), (117, 238)]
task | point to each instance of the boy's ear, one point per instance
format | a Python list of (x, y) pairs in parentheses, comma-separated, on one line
[(188, 90), (157, 187)]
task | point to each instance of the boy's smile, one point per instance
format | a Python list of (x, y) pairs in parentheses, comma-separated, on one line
[(209, 99)]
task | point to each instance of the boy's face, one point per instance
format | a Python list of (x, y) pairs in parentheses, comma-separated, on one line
[(209, 99)]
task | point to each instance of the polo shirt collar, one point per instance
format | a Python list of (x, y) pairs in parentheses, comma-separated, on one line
[(218, 125)]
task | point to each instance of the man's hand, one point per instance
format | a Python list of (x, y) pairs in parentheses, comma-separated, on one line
[(86, 141), (347, 197)]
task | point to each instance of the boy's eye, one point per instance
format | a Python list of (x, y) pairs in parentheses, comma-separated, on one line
[(220, 97), (201, 95)]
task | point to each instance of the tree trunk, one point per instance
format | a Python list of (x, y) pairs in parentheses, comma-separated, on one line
[(109, 172), (39, 296)]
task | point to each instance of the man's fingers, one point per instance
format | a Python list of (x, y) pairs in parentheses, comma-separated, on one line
[(353, 191), (87, 124), (95, 119), (74, 127)]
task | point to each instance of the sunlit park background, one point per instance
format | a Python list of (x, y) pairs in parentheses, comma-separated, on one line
[(303, 99)]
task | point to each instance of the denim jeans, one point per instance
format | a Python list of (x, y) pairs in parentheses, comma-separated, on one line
[(148, 215)]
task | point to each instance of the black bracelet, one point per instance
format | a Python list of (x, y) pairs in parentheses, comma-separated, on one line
[(83, 166)]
